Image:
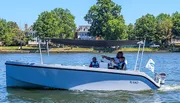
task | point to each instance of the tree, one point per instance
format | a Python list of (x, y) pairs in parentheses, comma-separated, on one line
[(47, 25), (3, 27), (176, 24), (8, 38), (52, 24), (66, 22), (105, 20), (9, 31), (15, 34), (164, 29), (20, 38), (117, 30), (130, 32), (12, 25), (145, 27)]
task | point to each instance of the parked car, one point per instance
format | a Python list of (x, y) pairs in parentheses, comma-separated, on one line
[(154, 46)]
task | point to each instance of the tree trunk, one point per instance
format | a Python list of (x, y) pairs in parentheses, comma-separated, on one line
[(21, 45)]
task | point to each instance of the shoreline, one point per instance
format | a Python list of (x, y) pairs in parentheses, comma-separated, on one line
[(72, 51), (26, 49)]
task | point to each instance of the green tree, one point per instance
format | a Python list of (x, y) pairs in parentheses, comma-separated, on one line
[(17, 36), (164, 29), (47, 25), (66, 22), (105, 20), (9, 31), (3, 27), (145, 27), (130, 32), (20, 38), (176, 24), (55, 23), (8, 38), (12, 25), (117, 30)]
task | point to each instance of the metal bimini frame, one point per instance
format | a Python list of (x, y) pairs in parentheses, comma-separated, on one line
[(137, 58), (136, 68), (41, 59), (47, 46)]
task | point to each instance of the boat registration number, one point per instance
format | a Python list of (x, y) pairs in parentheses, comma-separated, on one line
[(134, 82)]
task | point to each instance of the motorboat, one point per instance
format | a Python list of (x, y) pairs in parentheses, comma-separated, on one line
[(56, 76)]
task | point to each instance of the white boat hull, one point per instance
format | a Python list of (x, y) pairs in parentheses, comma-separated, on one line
[(75, 78)]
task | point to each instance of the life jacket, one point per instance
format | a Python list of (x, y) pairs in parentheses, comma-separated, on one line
[(121, 65), (116, 60), (95, 64)]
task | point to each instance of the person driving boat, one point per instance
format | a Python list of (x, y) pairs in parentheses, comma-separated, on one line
[(116, 59)]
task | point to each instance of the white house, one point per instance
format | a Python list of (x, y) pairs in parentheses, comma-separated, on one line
[(32, 33), (175, 40), (82, 33)]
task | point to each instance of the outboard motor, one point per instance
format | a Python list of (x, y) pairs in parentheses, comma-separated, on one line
[(160, 78)]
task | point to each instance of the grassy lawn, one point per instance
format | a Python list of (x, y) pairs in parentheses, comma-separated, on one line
[(71, 49), (16, 48), (136, 49)]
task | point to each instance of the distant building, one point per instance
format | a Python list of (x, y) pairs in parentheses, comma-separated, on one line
[(1, 43), (82, 33), (175, 41), (31, 33)]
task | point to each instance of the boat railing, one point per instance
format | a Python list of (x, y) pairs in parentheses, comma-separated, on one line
[(136, 67)]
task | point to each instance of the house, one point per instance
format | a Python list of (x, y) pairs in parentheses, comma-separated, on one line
[(175, 44), (175, 41), (31, 33), (1, 43), (82, 33)]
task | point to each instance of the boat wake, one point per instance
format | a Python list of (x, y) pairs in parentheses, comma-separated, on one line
[(170, 88)]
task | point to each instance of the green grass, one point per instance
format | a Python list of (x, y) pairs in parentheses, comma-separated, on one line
[(15, 47), (136, 49), (71, 49), (82, 49)]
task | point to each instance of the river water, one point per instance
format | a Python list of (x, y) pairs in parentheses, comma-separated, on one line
[(165, 62)]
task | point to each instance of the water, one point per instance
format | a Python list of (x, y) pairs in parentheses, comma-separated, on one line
[(165, 62)]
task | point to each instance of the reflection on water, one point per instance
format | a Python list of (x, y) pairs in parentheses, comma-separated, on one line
[(165, 62)]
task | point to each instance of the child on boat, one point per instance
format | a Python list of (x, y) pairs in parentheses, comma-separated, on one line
[(121, 65), (94, 63)]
